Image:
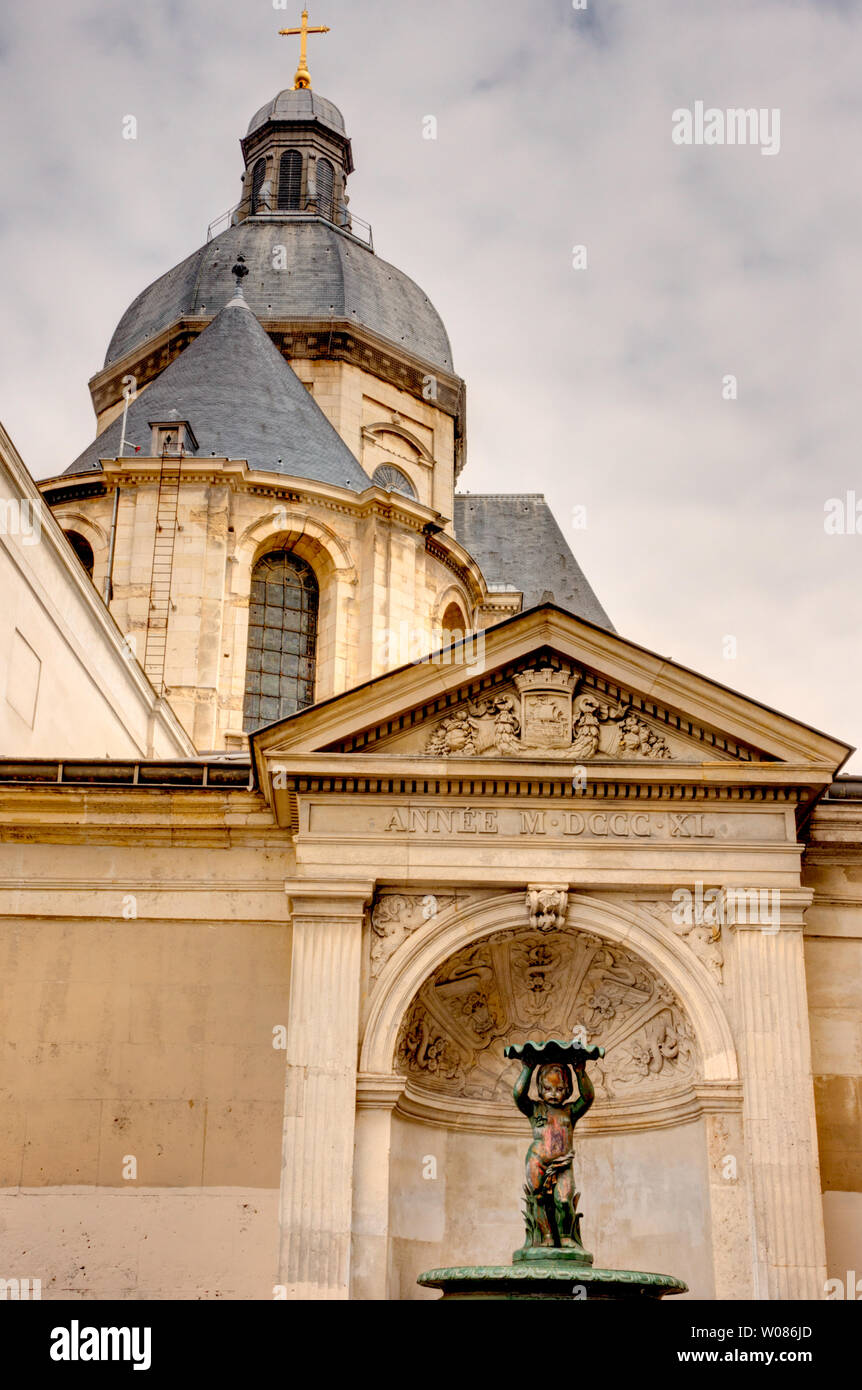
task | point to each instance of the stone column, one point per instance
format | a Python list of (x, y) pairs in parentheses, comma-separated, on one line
[(320, 1087), (778, 1108), (376, 1098)]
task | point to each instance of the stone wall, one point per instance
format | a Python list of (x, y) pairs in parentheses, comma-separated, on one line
[(833, 960), (141, 985), (68, 684)]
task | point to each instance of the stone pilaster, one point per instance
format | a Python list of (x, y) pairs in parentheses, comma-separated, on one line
[(781, 1138), (376, 1098), (320, 1088), (729, 1193)]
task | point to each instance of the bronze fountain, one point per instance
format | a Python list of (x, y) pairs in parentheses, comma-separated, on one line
[(552, 1262)]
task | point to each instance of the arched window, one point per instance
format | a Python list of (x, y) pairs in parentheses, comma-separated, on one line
[(282, 638), (391, 479), (82, 549), (454, 624), (258, 174), (290, 181), (326, 189)]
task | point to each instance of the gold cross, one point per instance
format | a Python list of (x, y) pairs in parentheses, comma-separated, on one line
[(303, 76)]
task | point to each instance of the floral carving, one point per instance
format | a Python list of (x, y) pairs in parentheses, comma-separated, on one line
[(563, 981), (396, 916), (704, 937)]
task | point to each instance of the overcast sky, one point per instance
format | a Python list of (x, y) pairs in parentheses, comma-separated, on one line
[(603, 386)]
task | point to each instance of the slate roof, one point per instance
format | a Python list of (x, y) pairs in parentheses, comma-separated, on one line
[(328, 275), (516, 540), (243, 401), (303, 105)]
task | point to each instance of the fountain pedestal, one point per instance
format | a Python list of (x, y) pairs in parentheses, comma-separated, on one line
[(548, 1279)]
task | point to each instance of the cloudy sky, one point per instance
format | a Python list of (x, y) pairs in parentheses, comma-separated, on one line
[(601, 386)]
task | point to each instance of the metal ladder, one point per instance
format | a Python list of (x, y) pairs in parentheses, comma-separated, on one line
[(162, 570)]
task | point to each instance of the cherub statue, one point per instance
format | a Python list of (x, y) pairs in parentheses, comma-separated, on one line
[(551, 1200)]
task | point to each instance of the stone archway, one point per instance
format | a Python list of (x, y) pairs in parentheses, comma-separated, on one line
[(526, 982), (434, 1087), (462, 924)]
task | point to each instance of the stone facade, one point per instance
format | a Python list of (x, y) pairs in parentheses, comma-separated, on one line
[(384, 585), (256, 986), (286, 1001)]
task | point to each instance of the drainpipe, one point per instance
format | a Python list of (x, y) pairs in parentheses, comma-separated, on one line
[(109, 578)]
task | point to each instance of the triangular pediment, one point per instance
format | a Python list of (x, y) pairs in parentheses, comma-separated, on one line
[(546, 687)]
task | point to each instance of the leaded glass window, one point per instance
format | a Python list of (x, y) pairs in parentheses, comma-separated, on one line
[(282, 638)]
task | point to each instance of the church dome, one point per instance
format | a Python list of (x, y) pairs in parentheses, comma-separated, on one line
[(302, 105), (328, 275)]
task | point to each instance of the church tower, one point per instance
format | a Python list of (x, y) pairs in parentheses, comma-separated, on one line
[(269, 503)]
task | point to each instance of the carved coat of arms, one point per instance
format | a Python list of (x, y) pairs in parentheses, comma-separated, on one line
[(546, 715)]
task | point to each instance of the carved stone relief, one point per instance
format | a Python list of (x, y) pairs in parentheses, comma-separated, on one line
[(518, 984), (395, 916), (547, 907), (541, 715), (704, 937)]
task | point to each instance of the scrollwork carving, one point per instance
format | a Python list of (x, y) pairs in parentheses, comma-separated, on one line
[(703, 937), (561, 980), (395, 916)]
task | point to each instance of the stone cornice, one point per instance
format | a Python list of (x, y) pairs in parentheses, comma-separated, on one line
[(329, 900), (792, 904), (612, 1117), (156, 816), (236, 474), (381, 1092), (631, 785), (298, 339), (835, 833)]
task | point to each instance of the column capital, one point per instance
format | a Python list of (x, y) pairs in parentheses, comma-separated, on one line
[(767, 910), (378, 1091), (328, 898)]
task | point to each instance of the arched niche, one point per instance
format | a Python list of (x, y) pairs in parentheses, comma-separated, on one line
[(452, 981)]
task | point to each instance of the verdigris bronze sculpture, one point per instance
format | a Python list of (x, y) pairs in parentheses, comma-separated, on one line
[(552, 1262), (550, 1200)]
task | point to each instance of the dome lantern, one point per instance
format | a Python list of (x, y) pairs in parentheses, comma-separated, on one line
[(298, 158)]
